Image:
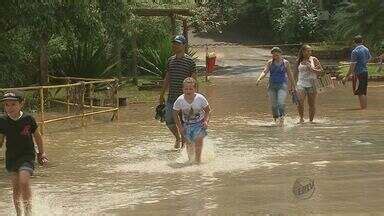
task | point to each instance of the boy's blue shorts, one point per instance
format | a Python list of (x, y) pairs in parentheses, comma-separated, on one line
[(194, 131)]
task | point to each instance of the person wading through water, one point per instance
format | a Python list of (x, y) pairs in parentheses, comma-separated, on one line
[(279, 70), (179, 67)]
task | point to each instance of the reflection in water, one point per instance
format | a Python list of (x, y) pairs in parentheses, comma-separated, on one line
[(249, 165)]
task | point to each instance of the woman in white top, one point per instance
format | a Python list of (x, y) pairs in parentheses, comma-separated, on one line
[(309, 68)]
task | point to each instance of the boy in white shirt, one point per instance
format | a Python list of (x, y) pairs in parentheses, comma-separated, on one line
[(195, 116)]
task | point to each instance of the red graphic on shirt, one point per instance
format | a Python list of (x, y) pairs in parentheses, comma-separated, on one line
[(26, 130)]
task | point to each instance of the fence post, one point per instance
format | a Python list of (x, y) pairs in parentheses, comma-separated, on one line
[(116, 97), (68, 96), (42, 109), (82, 103), (91, 99)]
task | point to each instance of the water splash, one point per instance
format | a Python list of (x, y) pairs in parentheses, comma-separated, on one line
[(46, 205), (212, 161), (289, 122)]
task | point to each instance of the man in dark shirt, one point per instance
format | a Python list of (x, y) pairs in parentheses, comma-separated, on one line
[(179, 67)]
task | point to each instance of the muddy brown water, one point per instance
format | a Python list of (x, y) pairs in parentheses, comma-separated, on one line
[(249, 168)]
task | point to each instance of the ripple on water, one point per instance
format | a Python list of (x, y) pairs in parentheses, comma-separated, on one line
[(295, 163), (320, 163), (360, 142)]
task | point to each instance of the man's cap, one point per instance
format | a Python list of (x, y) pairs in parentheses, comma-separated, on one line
[(276, 49), (12, 95), (180, 39)]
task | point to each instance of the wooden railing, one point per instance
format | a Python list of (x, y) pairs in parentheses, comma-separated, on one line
[(85, 87)]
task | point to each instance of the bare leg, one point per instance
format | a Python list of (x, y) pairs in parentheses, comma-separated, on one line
[(363, 101), (280, 121), (300, 106), (27, 208), (198, 149), (176, 133), (312, 105), (190, 151), (25, 189), (16, 193)]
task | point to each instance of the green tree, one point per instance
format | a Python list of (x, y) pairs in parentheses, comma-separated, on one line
[(114, 15), (297, 21), (215, 15), (255, 18), (360, 17), (77, 38)]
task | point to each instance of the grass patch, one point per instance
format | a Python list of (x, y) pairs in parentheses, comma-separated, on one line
[(147, 79), (133, 94), (328, 47), (372, 70)]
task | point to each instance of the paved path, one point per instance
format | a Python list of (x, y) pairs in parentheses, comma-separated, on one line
[(233, 60)]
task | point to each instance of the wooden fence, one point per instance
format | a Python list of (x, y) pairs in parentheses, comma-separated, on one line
[(79, 93)]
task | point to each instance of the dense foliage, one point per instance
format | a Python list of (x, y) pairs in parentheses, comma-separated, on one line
[(361, 17), (215, 15), (293, 20), (92, 38), (297, 21), (85, 38)]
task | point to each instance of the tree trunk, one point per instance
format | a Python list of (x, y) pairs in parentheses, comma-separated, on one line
[(185, 33), (44, 58), (134, 55), (116, 52), (222, 9), (173, 24)]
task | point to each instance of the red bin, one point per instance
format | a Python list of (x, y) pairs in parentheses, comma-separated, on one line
[(210, 62)]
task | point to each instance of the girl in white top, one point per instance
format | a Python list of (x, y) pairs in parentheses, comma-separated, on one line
[(195, 114), (309, 68)]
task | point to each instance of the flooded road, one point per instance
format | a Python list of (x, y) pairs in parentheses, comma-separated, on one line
[(249, 166), (127, 168)]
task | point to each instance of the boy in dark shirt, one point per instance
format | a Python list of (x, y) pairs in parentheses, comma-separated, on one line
[(19, 129)]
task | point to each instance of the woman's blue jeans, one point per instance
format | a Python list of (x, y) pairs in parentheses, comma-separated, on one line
[(277, 93)]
